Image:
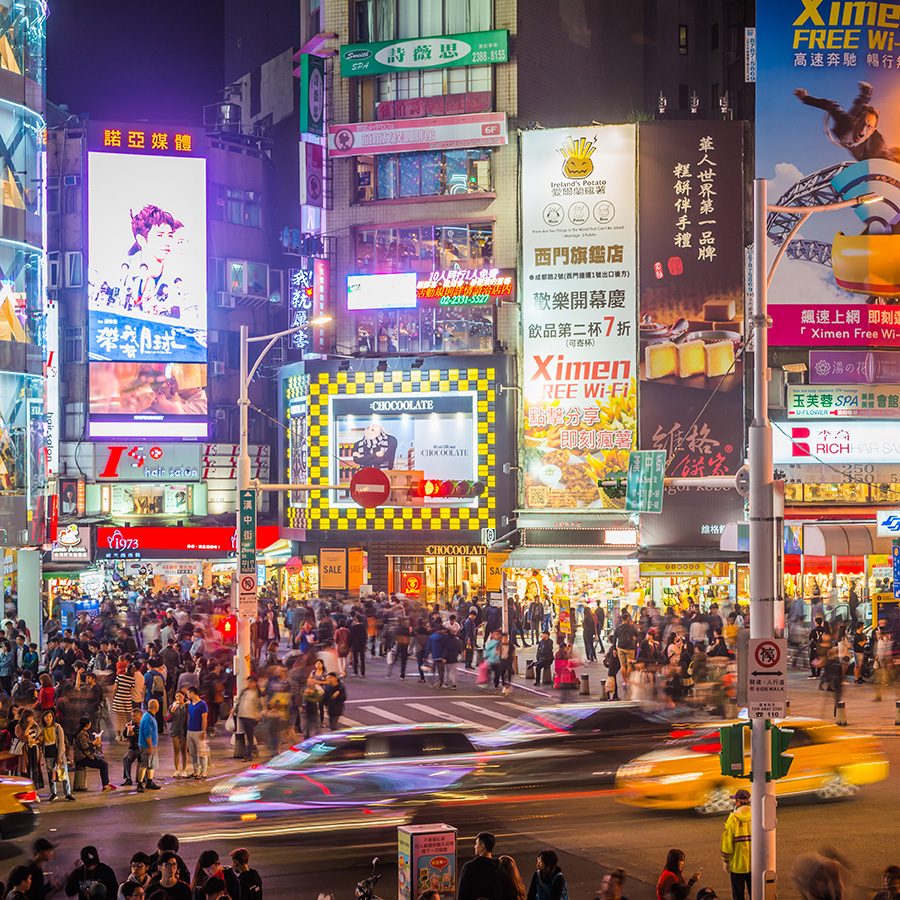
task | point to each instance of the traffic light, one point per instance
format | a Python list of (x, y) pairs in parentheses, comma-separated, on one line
[(781, 760), (731, 752), (436, 488)]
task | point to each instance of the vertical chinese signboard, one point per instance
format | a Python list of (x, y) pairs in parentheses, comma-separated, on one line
[(579, 312), (826, 131), (300, 306), (691, 187), (247, 584), (646, 481), (312, 94)]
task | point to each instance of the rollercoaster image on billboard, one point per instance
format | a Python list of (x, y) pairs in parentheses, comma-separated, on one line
[(827, 130)]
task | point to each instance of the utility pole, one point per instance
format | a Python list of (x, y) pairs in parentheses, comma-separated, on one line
[(242, 654), (763, 590)]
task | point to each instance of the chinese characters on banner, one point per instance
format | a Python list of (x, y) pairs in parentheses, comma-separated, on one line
[(691, 306), (300, 306), (579, 312), (826, 131)]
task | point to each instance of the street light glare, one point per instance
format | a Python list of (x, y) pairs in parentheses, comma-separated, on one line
[(320, 320)]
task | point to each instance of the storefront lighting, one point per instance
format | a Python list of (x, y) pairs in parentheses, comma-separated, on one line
[(621, 537)]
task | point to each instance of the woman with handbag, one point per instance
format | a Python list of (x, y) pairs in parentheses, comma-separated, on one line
[(53, 745), (29, 741)]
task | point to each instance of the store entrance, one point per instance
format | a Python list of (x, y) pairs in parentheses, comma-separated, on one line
[(440, 577)]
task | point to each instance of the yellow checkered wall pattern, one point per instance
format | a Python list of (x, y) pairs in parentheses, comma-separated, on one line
[(320, 515)]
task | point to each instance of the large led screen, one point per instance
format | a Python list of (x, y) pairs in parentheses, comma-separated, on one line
[(428, 432), (147, 296)]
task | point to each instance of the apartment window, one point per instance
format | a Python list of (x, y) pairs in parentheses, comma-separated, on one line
[(257, 279), (74, 269), (387, 20), (714, 36), (53, 269), (682, 40), (71, 199), (424, 248), (73, 345), (434, 83), (427, 174), (52, 198), (73, 421), (237, 277), (427, 330), (216, 273)]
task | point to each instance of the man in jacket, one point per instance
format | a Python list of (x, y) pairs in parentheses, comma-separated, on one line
[(736, 845), (358, 637), (479, 878), (535, 619), (589, 634), (88, 873), (469, 634), (436, 652), (543, 657), (627, 637)]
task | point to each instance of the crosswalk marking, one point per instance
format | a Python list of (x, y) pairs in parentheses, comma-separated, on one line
[(386, 714), (521, 706), (350, 723), (485, 712), (432, 712)]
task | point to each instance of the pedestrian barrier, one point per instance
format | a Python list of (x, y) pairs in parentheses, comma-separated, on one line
[(585, 688), (841, 713)]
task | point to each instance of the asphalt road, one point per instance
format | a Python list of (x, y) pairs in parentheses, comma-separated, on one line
[(589, 829)]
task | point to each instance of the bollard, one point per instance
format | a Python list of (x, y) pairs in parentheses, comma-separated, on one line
[(479, 657), (585, 688), (897, 712), (787, 708), (529, 670), (841, 713), (546, 675), (240, 746)]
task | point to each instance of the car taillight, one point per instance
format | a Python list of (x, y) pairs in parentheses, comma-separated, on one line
[(28, 796), (677, 733), (707, 747)]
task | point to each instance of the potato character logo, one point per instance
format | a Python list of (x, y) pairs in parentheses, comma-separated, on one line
[(578, 164)]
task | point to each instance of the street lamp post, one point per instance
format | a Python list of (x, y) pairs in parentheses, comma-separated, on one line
[(242, 661), (764, 589)]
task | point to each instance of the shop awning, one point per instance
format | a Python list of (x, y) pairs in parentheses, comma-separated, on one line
[(847, 539), (541, 557)]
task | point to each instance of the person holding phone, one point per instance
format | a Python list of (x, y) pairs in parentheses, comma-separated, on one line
[(672, 877)]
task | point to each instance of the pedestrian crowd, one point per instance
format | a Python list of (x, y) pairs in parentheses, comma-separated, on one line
[(160, 875)]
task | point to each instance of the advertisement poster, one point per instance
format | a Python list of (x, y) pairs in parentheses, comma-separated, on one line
[(147, 298), (827, 130), (426, 861), (298, 449), (430, 432), (691, 185), (579, 312)]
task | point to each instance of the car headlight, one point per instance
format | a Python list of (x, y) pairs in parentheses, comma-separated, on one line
[(634, 770)]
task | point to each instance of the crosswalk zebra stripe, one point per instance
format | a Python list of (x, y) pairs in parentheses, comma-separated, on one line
[(386, 714), (484, 712), (431, 712)]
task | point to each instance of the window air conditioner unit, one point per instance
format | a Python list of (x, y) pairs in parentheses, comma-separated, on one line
[(71, 180), (225, 300)]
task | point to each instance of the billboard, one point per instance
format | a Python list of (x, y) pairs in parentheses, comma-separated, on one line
[(434, 433), (826, 131), (691, 188), (579, 312), (390, 291), (863, 441), (147, 292)]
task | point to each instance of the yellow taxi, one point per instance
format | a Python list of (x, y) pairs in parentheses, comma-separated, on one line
[(829, 763), (18, 800)]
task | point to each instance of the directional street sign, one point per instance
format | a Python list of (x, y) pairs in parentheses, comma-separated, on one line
[(767, 678), (247, 585), (646, 481)]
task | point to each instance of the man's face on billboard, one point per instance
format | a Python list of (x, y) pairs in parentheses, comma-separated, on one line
[(158, 242)]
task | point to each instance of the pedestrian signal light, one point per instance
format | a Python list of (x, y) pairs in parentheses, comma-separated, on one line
[(731, 753), (781, 760), (227, 627)]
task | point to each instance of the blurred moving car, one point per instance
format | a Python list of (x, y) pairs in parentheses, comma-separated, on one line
[(18, 800), (829, 763)]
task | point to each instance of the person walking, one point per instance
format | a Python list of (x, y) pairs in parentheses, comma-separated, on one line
[(358, 637), (248, 711), (452, 651), (178, 718), (673, 874), (436, 651), (548, 881), (198, 714), (334, 700), (148, 742), (736, 845), (479, 878), (589, 634), (121, 704)]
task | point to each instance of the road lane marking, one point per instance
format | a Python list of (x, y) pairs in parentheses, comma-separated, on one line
[(431, 711), (485, 712)]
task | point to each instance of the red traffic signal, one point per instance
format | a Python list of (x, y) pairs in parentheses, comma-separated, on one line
[(435, 488), (227, 627)]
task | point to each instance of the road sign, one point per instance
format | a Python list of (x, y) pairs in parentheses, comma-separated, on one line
[(244, 588), (767, 678), (247, 521), (896, 559), (370, 487), (646, 480)]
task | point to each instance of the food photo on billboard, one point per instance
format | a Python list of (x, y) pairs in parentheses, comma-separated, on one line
[(827, 131), (147, 258), (143, 399), (429, 432)]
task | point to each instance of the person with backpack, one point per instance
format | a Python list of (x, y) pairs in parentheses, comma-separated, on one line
[(548, 881)]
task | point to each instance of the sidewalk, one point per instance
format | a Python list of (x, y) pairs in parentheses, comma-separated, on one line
[(221, 765)]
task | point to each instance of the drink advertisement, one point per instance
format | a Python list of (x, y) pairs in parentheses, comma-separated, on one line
[(691, 187), (827, 131), (579, 312), (428, 432), (426, 861)]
